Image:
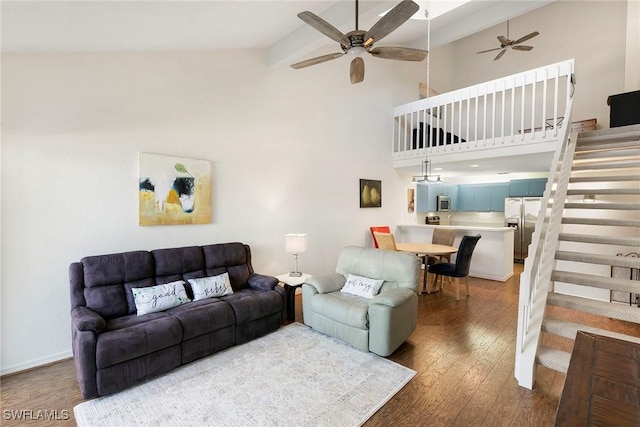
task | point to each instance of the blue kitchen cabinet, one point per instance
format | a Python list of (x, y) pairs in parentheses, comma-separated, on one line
[(465, 198), (527, 187), (499, 192), (537, 187), (482, 198)]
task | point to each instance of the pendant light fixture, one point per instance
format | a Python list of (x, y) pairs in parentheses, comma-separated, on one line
[(426, 175), (425, 168)]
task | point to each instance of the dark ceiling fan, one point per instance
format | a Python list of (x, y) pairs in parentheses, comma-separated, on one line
[(506, 43), (357, 41)]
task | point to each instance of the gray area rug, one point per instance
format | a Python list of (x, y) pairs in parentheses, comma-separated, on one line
[(292, 377)]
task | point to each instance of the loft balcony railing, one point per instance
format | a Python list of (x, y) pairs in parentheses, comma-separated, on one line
[(525, 110)]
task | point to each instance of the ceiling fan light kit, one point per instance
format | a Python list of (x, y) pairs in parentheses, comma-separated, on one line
[(359, 42), (507, 43)]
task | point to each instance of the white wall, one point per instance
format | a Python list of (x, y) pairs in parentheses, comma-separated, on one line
[(592, 32), (632, 57), (287, 149)]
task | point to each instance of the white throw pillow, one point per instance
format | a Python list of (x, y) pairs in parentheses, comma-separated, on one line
[(160, 297), (362, 286), (208, 287)]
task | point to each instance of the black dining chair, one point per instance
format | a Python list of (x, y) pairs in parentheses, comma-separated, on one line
[(458, 269)]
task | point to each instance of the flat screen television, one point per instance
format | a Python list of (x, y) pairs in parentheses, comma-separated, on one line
[(625, 109)]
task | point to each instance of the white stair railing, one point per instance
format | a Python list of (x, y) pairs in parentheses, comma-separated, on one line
[(517, 110), (535, 279)]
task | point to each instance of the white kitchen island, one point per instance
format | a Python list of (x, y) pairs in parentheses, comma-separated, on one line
[(492, 258)]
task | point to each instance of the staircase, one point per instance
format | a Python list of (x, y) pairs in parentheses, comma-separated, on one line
[(599, 220)]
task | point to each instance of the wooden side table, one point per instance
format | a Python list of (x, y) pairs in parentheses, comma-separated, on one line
[(290, 285), (602, 384)]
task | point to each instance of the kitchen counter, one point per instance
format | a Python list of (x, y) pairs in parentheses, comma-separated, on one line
[(493, 257), (460, 227)]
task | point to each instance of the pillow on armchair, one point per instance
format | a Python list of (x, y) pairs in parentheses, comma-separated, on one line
[(362, 286)]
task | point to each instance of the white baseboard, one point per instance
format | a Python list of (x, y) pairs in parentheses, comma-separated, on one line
[(494, 278), (34, 363)]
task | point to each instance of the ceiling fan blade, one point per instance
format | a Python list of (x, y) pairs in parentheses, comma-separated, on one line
[(490, 50), (317, 60), (527, 48), (503, 40), (357, 70), (392, 20), (527, 37), (399, 53), (500, 55), (324, 27)]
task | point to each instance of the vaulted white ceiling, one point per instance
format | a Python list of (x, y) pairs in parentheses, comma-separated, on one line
[(101, 26)]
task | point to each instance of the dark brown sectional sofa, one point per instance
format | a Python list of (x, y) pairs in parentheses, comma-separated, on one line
[(114, 348)]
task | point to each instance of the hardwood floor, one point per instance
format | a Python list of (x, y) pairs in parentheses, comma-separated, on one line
[(463, 353)]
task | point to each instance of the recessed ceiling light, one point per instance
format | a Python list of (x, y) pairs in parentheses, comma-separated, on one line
[(474, 166), (437, 169)]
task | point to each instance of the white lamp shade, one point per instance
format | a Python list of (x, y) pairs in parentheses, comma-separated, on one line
[(295, 243)]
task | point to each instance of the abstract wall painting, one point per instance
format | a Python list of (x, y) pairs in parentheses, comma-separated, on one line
[(173, 190)]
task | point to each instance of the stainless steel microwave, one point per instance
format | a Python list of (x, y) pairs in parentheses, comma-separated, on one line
[(443, 203)]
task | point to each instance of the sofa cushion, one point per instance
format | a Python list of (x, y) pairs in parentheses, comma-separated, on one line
[(105, 277), (132, 336), (342, 307), (179, 264), (234, 258), (202, 317), (151, 299), (249, 305)]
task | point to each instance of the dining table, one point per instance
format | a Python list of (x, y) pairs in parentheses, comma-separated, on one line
[(425, 250)]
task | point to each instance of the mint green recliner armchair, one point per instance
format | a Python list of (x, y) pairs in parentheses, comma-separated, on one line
[(380, 324)]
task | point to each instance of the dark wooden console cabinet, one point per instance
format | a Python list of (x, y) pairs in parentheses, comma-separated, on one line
[(602, 387)]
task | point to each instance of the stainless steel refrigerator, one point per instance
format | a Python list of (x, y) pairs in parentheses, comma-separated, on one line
[(521, 213)]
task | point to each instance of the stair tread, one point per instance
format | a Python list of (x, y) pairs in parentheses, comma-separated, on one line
[(618, 134), (552, 358), (613, 260), (602, 221), (570, 329), (600, 282), (604, 178), (607, 152), (615, 164), (599, 205), (579, 192), (600, 240), (601, 308)]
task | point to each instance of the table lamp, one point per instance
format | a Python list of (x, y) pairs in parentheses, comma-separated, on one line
[(295, 244)]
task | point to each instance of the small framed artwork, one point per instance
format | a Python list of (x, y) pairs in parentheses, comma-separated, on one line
[(411, 200), (370, 193)]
